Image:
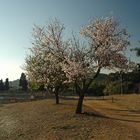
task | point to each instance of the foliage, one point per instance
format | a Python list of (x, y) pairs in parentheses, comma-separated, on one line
[(137, 50), (127, 81), (44, 64), (4, 85), (1, 85), (116, 87), (138, 88), (106, 43), (54, 61), (23, 82), (96, 89), (7, 84)]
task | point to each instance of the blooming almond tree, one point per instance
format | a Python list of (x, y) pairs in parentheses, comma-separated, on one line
[(106, 43), (43, 65)]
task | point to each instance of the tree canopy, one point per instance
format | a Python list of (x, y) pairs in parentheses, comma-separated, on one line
[(55, 61)]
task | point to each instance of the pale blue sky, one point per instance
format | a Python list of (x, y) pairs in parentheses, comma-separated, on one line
[(17, 18)]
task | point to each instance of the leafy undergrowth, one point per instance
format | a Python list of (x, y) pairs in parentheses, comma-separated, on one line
[(43, 120)]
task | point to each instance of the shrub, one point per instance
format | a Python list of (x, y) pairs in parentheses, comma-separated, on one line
[(96, 89), (118, 88)]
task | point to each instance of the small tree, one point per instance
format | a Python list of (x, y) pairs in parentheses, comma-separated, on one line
[(1, 85), (23, 82), (137, 50), (6, 84), (43, 65)]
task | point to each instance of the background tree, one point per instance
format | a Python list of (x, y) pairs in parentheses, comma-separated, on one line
[(137, 50), (23, 82), (1, 85), (7, 84), (136, 72)]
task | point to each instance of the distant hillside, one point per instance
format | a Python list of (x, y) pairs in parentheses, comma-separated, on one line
[(14, 84), (101, 77)]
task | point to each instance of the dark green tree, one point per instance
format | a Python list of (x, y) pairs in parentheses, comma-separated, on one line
[(23, 82), (6, 86), (137, 50), (1, 85), (136, 73)]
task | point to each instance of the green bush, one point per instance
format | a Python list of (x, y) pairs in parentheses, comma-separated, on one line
[(118, 88), (96, 89)]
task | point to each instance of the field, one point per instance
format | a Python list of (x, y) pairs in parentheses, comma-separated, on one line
[(117, 119)]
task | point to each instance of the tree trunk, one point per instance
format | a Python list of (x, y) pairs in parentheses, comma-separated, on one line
[(81, 90), (57, 98), (79, 105)]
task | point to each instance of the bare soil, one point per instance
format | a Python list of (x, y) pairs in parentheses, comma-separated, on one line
[(43, 120)]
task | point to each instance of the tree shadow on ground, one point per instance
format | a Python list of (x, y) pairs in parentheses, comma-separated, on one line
[(124, 110), (101, 115)]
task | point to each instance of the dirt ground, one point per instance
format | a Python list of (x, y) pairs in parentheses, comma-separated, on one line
[(43, 120), (122, 108)]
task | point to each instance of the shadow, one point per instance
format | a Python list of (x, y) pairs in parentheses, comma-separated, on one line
[(101, 98), (124, 110), (101, 115), (64, 104), (125, 120), (95, 114), (131, 115), (18, 100), (68, 98), (85, 98)]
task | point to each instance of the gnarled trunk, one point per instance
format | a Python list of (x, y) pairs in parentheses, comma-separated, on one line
[(81, 90), (80, 104)]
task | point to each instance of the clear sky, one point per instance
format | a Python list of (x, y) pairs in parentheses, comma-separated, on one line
[(17, 18)]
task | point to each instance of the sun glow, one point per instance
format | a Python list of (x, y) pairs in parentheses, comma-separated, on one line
[(10, 70)]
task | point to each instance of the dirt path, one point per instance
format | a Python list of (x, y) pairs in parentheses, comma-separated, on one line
[(129, 117)]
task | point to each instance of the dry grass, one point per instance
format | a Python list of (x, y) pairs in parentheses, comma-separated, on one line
[(43, 120), (124, 109)]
